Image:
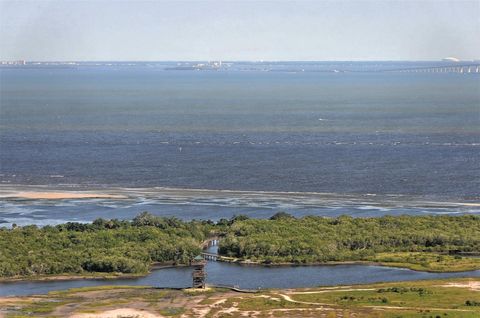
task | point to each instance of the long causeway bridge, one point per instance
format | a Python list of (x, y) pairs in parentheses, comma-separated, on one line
[(450, 68)]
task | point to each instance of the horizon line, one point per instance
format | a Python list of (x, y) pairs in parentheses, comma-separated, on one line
[(237, 61)]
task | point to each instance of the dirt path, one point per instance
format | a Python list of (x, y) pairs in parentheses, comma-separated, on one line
[(288, 298), (202, 311)]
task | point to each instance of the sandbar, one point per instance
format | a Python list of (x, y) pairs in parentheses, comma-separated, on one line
[(34, 195)]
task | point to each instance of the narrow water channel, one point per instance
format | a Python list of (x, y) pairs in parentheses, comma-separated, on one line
[(245, 276)]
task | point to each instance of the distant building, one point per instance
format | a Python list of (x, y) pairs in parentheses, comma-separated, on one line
[(19, 62)]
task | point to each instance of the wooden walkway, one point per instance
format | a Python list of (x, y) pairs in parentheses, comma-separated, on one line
[(216, 257), (213, 241)]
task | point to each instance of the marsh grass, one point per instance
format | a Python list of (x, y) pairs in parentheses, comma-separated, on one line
[(423, 294)]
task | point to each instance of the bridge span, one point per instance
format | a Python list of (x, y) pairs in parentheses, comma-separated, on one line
[(462, 69)]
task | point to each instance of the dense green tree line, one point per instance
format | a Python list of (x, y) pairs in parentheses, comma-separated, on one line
[(132, 246), (104, 246), (318, 239)]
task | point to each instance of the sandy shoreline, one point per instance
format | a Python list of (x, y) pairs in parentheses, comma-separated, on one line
[(61, 195), (311, 199), (46, 193)]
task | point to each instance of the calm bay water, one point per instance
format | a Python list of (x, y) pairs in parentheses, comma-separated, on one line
[(377, 133), (377, 143)]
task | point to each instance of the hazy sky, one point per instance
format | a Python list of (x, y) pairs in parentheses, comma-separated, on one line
[(243, 30)]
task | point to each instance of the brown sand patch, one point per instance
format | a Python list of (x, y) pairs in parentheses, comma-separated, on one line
[(119, 313), (474, 285)]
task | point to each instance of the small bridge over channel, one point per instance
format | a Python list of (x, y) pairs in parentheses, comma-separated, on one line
[(210, 256), (215, 257)]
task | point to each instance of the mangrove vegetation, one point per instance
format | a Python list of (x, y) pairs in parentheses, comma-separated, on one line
[(437, 243), (415, 240)]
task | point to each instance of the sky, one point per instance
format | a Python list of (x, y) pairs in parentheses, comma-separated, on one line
[(112, 30)]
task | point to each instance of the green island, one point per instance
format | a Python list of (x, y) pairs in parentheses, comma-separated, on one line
[(455, 298), (108, 248)]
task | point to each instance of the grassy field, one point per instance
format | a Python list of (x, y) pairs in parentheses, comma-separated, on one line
[(422, 299)]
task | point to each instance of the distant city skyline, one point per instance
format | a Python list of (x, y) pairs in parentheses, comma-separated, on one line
[(238, 31)]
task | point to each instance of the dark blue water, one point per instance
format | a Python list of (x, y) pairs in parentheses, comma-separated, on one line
[(354, 133)]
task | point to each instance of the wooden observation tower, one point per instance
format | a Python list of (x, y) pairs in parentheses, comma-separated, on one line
[(199, 273)]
